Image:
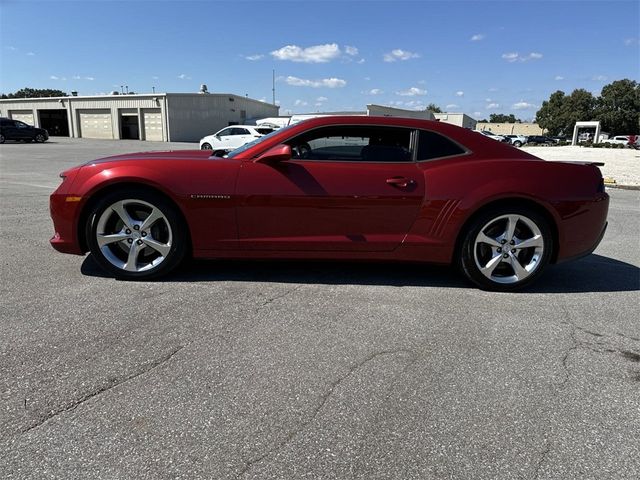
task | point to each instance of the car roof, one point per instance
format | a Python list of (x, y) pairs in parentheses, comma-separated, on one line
[(479, 144)]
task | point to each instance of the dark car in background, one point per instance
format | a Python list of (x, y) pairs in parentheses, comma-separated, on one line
[(540, 140), (17, 130)]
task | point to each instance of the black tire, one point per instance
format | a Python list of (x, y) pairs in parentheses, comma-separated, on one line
[(503, 277), (2, 138), (517, 143), (169, 232), (206, 146), (220, 153)]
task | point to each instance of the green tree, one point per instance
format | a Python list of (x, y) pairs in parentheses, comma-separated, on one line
[(434, 108), (618, 107), (35, 93), (502, 118), (560, 113)]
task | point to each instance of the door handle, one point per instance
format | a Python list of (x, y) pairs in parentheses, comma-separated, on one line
[(401, 182)]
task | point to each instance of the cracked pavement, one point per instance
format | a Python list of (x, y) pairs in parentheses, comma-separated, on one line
[(259, 370)]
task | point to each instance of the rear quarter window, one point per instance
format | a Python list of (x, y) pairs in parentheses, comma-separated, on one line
[(433, 145)]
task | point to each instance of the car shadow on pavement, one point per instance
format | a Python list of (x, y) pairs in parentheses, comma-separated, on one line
[(594, 273)]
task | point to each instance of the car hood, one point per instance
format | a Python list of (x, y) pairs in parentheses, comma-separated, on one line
[(165, 155)]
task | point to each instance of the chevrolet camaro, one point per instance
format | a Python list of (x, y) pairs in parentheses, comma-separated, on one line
[(348, 187)]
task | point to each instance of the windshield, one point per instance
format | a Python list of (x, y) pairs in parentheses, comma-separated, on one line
[(247, 146)]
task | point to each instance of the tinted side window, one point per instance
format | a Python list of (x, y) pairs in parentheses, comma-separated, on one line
[(433, 145), (241, 131), (354, 143)]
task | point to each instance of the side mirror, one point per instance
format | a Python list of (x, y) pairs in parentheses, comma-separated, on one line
[(279, 153)]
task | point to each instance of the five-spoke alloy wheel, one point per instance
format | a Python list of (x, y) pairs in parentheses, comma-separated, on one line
[(506, 249), (136, 235)]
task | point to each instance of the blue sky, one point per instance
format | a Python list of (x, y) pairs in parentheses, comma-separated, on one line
[(477, 57)]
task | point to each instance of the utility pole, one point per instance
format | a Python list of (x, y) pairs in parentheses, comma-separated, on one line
[(273, 89)]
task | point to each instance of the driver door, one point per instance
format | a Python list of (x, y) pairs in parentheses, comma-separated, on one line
[(351, 188)]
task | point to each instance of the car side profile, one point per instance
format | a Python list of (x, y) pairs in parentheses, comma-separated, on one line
[(344, 188), (230, 138), (16, 130), (516, 140), (493, 136)]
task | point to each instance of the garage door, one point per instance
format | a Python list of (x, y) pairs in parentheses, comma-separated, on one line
[(25, 116), (153, 125), (95, 124)]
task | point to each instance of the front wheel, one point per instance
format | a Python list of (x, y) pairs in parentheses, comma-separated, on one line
[(2, 138), (136, 235), (517, 143), (206, 146), (506, 249), (40, 138)]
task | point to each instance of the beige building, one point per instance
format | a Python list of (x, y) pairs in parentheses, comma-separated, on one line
[(459, 119), (511, 128), (168, 117)]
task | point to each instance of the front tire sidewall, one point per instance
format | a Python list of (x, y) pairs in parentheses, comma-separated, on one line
[(466, 258), (39, 138), (178, 248)]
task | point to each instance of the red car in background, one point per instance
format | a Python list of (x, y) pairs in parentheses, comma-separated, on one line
[(348, 187)]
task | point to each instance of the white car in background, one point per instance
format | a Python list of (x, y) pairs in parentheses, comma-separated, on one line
[(618, 140), (498, 138), (516, 140), (230, 138)]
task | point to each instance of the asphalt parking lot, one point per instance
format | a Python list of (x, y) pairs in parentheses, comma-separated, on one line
[(308, 370)]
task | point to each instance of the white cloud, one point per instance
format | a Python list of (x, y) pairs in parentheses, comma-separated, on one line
[(630, 41), (89, 78), (415, 105), (451, 106), (459, 93), (488, 100), (600, 78), (321, 99), (477, 37), (184, 76), (349, 50), (313, 54), (492, 105), (492, 89), (155, 77), (523, 106), (76, 77), (516, 57), (318, 104), (9, 47), (361, 61), (558, 77), (412, 92), (325, 82), (477, 114), (53, 77), (375, 91), (367, 78), (398, 54), (253, 58), (300, 103), (30, 54)]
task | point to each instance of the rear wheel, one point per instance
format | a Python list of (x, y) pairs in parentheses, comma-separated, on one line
[(517, 143), (39, 138), (136, 235), (506, 249), (2, 138)]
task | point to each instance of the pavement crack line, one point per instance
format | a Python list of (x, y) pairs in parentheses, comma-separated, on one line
[(323, 401), (543, 458), (105, 388), (594, 342), (281, 295)]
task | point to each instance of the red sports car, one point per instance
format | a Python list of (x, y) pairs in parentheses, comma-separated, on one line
[(367, 188)]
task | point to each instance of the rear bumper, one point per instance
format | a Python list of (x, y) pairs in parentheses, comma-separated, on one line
[(582, 228)]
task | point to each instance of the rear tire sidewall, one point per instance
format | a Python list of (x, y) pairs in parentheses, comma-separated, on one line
[(2, 139), (466, 257), (179, 231)]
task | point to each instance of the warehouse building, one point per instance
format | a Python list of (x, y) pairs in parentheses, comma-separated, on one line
[(168, 117), (459, 119)]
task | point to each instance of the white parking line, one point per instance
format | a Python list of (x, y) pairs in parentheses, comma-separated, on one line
[(30, 184)]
